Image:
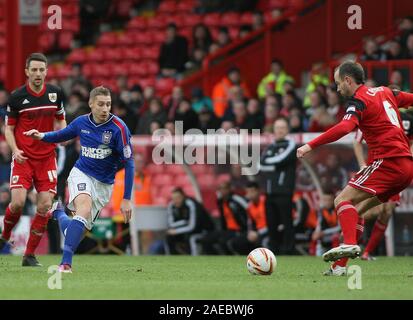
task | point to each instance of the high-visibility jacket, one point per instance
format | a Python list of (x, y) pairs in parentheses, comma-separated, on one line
[(277, 81)]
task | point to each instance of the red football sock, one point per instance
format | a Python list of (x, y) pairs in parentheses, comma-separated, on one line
[(360, 228), (376, 236), (37, 229), (348, 217), (10, 220)]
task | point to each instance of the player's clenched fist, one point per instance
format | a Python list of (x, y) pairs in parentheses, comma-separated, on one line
[(35, 134), (302, 151)]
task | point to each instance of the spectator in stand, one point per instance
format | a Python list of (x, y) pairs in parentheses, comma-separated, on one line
[(148, 95), (155, 112), (75, 106), (185, 114), (136, 102), (406, 29), (295, 122), (372, 51), (4, 98), (221, 91), (207, 120), (201, 37), (199, 101), (213, 48), (272, 112), (335, 105), (257, 20), (233, 218), (394, 51), (173, 104), (120, 109), (195, 60), (237, 114), (370, 83), (274, 81), (170, 126), (409, 47), (320, 119), (223, 37), (173, 54), (255, 117), (289, 101), (188, 221), (257, 234), (332, 173), (155, 125), (396, 79), (76, 76), (244, 30), (318, 76)]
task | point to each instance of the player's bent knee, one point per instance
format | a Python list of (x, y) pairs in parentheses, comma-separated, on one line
[(17, 206)]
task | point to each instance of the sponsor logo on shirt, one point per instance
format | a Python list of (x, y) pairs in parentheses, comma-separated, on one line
[(96, 153), (84, 131)]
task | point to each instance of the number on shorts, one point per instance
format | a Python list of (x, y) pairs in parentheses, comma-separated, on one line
[(52, 175), (391, 113)]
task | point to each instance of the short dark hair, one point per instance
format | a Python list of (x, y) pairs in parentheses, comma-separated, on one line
[(352, 69), (36, 56), (277, 61), (178, 190), (172, 25), (253, 185)]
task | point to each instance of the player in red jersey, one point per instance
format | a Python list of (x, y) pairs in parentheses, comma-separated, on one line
[(390, 169), (34, 105)]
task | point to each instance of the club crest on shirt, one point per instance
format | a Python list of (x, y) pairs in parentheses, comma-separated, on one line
[(106, 136), (53, 97)]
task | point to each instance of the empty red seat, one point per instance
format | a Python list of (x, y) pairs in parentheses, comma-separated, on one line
[(96, 55), (158, 22), (113, 54), (108, 39), (47, 40), (212, 19), (152, 67), (153, 168), (185, 6), (167, 6), (63, 71), (191, 20), (77, 56), (206, 181), (138, 69), (133, 80), (231, 19), (151, 52), (120, 69), (143, 38), (125, 39), (175, 169), (246, 18), (164, 191), (133, 53), (51, 71), (189, 191), (233, 32), (103, 69), (71, 24), (138, 23), (147, 82), (164, 86), (160, 201), (87, 70), (162, 180), (277, 4), (65, 40), (158, 37)]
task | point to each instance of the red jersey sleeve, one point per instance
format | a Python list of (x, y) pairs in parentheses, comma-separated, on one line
[(404, 99), (12, 113)]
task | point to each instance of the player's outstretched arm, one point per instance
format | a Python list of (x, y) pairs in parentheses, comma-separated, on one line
[(333, 134), (65, 134), (404, 99)]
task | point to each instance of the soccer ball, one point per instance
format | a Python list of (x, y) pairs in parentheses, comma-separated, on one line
[(261, 261)]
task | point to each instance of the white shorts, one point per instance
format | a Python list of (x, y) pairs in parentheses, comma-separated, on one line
[(78, 183)]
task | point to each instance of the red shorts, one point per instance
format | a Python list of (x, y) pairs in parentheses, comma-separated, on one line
[(40, 173), (396, 199), (384, 178)]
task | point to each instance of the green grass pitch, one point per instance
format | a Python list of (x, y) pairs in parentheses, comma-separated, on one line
[(185, 277)]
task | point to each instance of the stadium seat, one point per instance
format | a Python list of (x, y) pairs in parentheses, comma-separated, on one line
[(167, 6), (277, 4), (206, 181), (158, 37), (174, 169), (162, 180), (185, 7), (120, 69), (87, 70), (160, 201), (147, 82), (113, 54), (164, 85), (108, 39), (158, 22), (51, 71), (143, 38), (2, 42), (191, 20), (125, 39), (63, 71), (47, 40), (234, 32), (189, 191), (137, 23), (153, 168), (72, 25), (77, 56), (150, 52), (165, 191), (231, 19), (133, 53), (246, 18), (212, 19), (133, 80), (65, 40), (96, 55)]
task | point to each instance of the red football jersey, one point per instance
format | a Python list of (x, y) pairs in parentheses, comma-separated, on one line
[(30, 110), (375, 111)]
